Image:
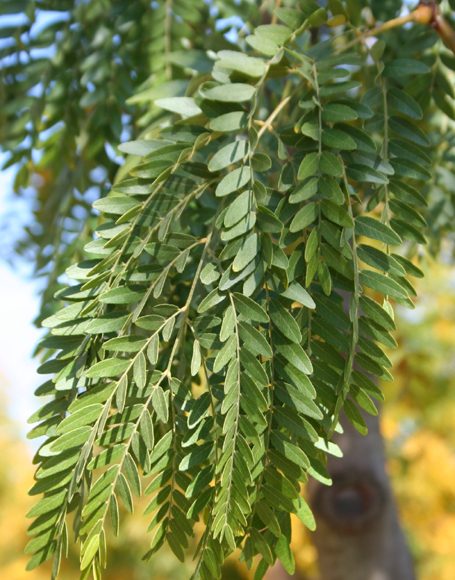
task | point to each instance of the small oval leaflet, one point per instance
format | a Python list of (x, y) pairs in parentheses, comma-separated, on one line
[(233, 181), (230, 93), (228, 155)]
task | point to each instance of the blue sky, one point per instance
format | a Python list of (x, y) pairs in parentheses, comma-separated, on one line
[(19, 302), (18, 335)]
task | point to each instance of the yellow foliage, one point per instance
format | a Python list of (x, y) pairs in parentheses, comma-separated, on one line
[(418, 424), (305, 552), (15, 480)]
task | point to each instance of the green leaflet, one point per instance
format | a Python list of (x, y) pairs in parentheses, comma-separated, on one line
[(290, 451), (199, 455), (229, 122), (228, 155), (267, 38), (79, 418), (116, 205), (140, 371), (263, 45), (310, 129), (337, 214), (243, 226), (241, 63), (233, 181), (90, 549), (380, 260), (295, 354), (408, 131), (73, 438), (372, 228), (296, 292), (309, 166), (304, 514), (285, 322), (247, 252), (381, 283), (105, 324), (337, 112), (211, 300), (337, 139), (228, 323), (273, 32), (401, 102), (254, 340), (365, 173), (232, 93), (160, 403), (110, 367), (209, 274), (250, 309), (225, 354), (404, 67), (377, 313), (196, 358), (304, 192), (304, 217), (123, 295), (409, 266), (330, 164), (125, 344), (239, 208), (184, 106)]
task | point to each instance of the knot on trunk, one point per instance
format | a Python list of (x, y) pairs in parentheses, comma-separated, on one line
[(353, 502)]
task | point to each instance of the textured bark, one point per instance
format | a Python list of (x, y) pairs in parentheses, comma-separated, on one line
[(358, 535), (279, 573)]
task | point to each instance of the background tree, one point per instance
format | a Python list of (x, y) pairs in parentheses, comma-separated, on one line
[(235, 293)]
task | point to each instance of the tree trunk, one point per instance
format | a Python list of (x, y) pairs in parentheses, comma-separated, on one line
[(358, 534)]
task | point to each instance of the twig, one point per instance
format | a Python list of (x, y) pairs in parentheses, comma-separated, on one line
[(445, 31), (389, 25), (274, 16), (268, 122), (427, 13)]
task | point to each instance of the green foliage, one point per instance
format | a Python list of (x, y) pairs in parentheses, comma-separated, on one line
[(235, 296)]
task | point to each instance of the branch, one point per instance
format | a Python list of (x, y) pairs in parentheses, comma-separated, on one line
[(268, 122), (445, 31), (427, 13)]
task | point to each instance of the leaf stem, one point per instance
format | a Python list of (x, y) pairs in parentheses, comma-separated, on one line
[(422, 15), (268, 122)]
